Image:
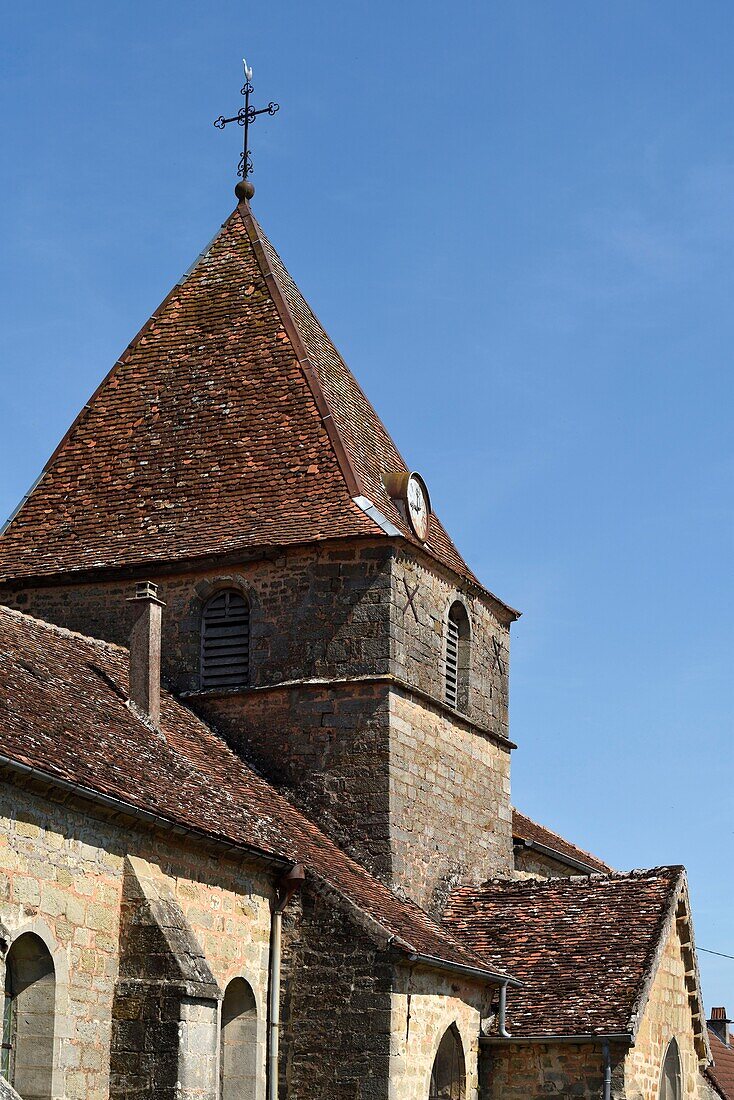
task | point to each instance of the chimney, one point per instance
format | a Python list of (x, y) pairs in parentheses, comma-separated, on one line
[(719, 1024), (145, 651)]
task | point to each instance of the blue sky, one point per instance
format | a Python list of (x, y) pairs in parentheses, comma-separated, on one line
[(516, 221)]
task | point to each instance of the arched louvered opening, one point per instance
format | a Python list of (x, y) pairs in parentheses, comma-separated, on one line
[(671, 1078), (28, 1018), (225, 640), (456, 678), (448, 1076), (238, 1052)]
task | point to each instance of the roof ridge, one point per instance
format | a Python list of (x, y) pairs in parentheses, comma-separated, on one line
[(254, 232), (565, 881), (62, 631)]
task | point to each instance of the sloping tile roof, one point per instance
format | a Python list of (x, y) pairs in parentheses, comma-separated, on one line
[(523, 828), (721, 1072), (63, 711), (583, 946), (230, 422)]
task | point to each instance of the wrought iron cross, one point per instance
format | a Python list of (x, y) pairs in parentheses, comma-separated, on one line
[(244, 117)]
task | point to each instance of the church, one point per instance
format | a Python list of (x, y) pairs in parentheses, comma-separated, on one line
[(258, 841)]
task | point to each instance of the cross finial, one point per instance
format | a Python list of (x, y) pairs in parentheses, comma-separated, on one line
[(246, 115)]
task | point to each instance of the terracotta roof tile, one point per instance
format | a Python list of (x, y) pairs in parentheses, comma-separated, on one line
[(721, 1072), (523, 828), (63, 711), (230, 422), (582, 945)]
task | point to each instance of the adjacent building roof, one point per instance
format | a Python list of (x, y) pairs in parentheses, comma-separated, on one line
[(720, 1074), (529, 832), (584, 947), (64, 714), (229, 423)]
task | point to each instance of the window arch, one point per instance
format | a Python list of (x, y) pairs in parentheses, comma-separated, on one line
[(238, 1055), (448, 1076), (225, 640), (456, 675), (28, 1018), (671, 1078)]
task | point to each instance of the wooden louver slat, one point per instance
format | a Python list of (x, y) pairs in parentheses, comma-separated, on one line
[(225, 641)]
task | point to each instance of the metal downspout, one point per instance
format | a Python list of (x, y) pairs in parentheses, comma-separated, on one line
[(502, 1014), (607, 1070), (288, 885)]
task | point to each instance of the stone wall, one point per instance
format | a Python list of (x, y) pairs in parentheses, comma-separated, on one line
[(327, 745), (666, 1016), (330, 612), (336, 1005), (61, 876), (413, 791), (534, 1072), (450, 815), (314, 612), (424, 1006), (421, 599)]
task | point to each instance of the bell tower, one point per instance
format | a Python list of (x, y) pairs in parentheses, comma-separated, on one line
[(317, 613)]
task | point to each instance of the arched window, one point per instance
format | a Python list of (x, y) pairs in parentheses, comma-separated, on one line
[(456, 681), (448, 1076), (28, 1018), (225, 640), (671, 1086), (238, 1057)]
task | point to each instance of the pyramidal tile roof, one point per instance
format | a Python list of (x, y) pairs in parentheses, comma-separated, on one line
[(230, 422)]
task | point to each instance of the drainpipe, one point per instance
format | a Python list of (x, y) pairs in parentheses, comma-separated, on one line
[(607, 1070), (288, 885), (502, 1014)]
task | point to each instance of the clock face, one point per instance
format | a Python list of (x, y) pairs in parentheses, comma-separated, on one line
[(418, 511)]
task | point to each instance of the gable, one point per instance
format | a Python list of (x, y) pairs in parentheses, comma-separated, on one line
[(668, 1012)]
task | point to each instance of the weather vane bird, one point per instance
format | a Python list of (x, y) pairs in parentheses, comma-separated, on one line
[(244, 117)]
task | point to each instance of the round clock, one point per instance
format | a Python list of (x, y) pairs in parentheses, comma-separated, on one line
[(418, 508)]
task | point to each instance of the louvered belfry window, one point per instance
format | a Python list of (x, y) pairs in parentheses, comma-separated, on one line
[(225, 640), (452, 662), (456, 670)]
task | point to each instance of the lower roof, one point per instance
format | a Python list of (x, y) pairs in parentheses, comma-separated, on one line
[(583, 947)]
